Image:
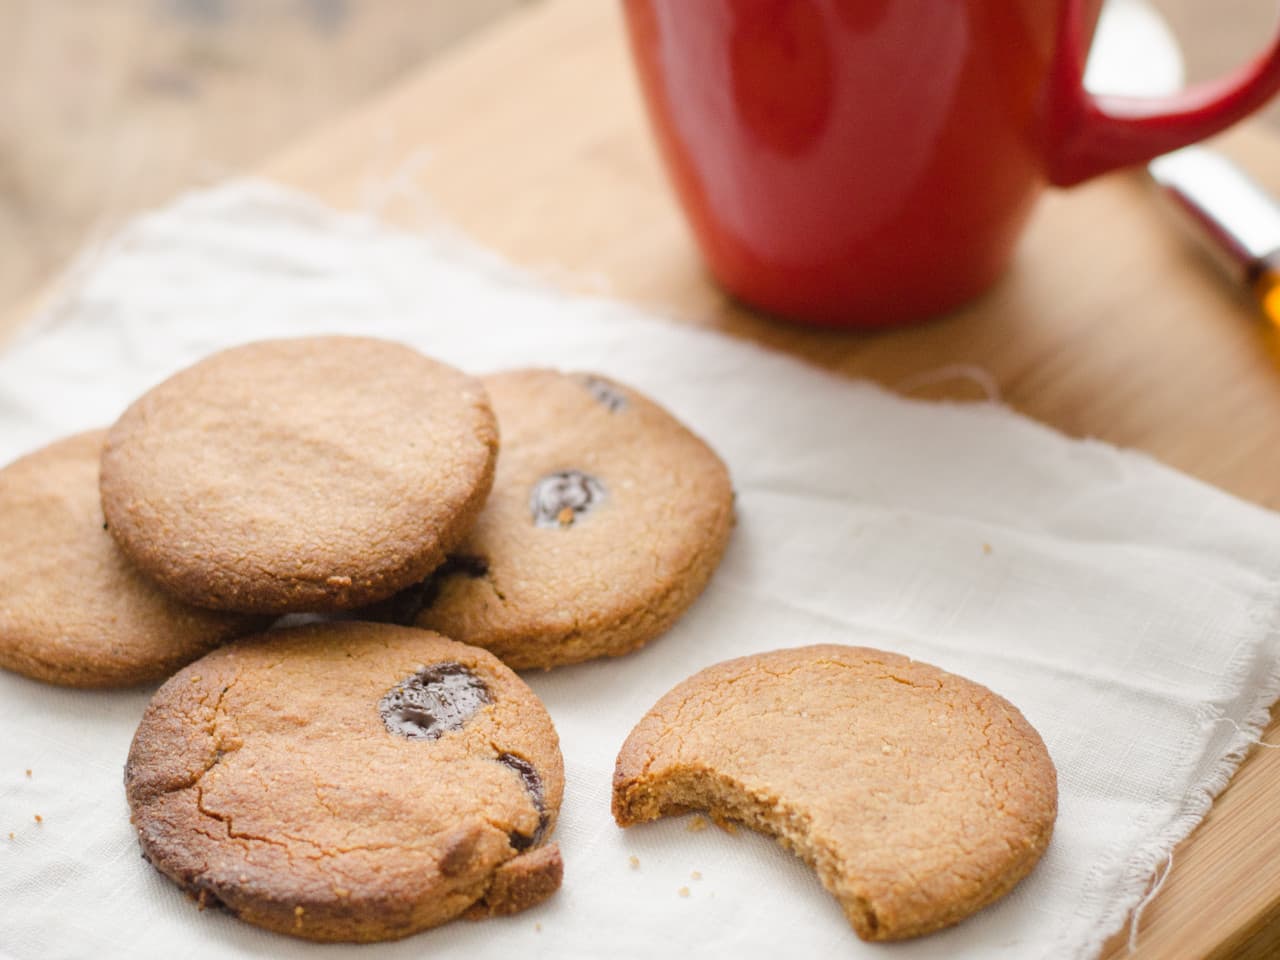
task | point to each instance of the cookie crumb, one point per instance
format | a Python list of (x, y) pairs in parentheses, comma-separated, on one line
[(683, 891), (28, 774), (39, 819), (537, 928), (565, 516), (728, 826), (986, 548), (11, 835), (696, 875), (634, 861), (697, 824)]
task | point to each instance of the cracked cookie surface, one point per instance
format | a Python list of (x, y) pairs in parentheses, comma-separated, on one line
[(310, 475), (73, 610), (917, 796), (349, 782), (606, 521)]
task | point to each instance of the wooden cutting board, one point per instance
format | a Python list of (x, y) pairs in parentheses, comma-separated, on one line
[(531, 138)]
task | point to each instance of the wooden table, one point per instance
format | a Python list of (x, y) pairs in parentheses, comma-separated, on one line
[(111, 106), (532, 139)]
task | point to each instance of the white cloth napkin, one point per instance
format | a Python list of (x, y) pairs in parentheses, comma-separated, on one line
[(1128, 610)]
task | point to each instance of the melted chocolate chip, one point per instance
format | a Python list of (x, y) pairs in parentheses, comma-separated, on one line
[(291, 620), (467, 563), (532, 786), (435, 700), (405, 606), (605, 392), (560, 498)]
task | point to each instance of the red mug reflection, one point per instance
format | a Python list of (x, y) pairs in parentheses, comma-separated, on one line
[(871, 162)]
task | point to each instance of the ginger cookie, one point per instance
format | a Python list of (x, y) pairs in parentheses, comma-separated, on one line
[(73, 610), (918, 796), (606, 521), (349, 782), (287, 476)]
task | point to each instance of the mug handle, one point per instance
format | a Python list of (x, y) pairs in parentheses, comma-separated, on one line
[(1088, 135)]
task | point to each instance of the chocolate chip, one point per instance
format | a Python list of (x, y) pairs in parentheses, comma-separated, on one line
[(467, 563), (291, 620), (405, 606), (533, 787), (605, 392), (560, 498), (435, 700)]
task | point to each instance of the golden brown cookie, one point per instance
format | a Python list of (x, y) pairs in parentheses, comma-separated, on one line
[(349, 781), (918, 796), (73, 610), (606, 521), (317, 474)]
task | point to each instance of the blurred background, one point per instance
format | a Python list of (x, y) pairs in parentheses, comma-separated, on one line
[(110, 106)]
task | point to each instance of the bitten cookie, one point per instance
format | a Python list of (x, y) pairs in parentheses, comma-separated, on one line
[(73, 610), (349, 781), (918, 796), (286, 476), (606, 521)]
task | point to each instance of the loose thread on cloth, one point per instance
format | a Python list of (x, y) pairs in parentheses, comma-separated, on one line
[(378, 191), (954, 371), (1136, 917), (1255, 740)]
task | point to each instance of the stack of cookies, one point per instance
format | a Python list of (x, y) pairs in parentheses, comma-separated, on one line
[(362, 762)]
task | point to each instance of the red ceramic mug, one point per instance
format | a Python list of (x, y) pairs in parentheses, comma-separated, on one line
[(863, 163)]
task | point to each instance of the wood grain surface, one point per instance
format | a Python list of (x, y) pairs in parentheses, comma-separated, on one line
[(110, 106), (530, 136)]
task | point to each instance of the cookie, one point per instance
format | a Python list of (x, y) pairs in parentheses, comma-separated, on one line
[(607, 519), (299, 475), (918, 796), (73, 610), (349, 782)]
